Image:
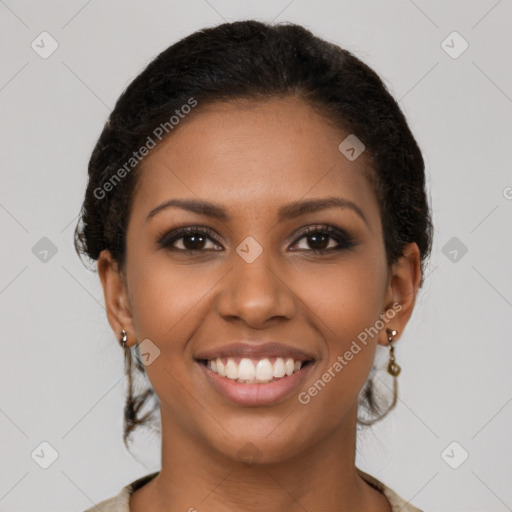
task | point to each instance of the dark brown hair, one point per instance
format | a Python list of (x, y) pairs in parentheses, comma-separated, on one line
[(256, 61)]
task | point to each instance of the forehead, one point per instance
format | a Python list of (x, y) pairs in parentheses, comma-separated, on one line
[(253, 156)]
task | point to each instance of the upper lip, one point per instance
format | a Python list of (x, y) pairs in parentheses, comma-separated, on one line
[(255, 351)]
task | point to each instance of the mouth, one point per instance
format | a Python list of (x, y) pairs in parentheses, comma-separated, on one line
[(255, 382), (244, 370)]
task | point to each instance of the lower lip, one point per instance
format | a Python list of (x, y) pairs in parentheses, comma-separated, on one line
[(256, 394)]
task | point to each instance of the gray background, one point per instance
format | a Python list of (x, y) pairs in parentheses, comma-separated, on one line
[(61, 378)]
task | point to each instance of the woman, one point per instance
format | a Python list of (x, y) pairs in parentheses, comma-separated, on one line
[(257, 209)]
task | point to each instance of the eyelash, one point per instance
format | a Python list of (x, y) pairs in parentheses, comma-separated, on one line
[(344, 240)]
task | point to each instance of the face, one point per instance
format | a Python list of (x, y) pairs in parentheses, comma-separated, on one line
[(264, 273)]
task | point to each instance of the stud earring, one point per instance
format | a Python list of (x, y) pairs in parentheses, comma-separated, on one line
[(393, 368), (123, 338)]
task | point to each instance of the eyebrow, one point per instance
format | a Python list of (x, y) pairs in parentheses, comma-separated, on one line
[(286, 212)]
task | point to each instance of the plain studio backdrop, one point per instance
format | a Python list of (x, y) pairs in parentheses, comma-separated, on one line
[(447, 446)]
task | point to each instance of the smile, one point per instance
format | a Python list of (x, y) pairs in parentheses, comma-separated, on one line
[(254, 371), (258, 385)]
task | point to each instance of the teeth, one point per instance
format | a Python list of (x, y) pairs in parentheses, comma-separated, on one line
[(221, 370), (254, 371), (264, 370), (246, 370), (279, 369), (231, 369)]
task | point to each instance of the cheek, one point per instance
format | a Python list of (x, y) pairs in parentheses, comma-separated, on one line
[(346, 296), (166, 298), (346, 300), (168, 304)]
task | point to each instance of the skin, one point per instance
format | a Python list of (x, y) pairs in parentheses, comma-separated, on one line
[(252, 158)]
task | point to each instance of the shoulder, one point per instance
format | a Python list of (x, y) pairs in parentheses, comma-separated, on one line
[(116, 504), (397, 503), (121, 502)]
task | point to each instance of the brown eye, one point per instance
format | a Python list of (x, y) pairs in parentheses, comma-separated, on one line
[(326, 239), (189, 239)]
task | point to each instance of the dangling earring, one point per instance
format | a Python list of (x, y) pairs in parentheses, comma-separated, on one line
[(123, 338), (393, 367)]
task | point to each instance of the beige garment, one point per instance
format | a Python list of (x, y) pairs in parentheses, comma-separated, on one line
[(120, 503)]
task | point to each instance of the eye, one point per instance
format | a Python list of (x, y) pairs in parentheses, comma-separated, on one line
[(319, 240), (190, 239), (317, 237)]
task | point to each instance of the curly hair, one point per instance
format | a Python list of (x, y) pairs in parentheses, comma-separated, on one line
[(257, 61)]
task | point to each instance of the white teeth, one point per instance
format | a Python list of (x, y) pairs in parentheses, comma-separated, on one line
[(221, 370), (246, 370), (264, 370), (251, 371), (231, 369), (279, 369), (288, 366)]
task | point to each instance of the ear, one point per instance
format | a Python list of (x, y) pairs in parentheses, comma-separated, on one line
[(403, 284), (118, 307)]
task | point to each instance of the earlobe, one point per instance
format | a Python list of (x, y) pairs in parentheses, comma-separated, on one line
[(114, 291), (404, 282)]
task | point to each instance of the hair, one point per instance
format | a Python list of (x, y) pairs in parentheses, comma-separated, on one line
[(252, 60)]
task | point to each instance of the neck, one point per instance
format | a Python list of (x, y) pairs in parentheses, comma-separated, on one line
[(194, 477)]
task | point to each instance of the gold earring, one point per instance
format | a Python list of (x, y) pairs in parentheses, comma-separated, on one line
[(123, 338), (393, 368)]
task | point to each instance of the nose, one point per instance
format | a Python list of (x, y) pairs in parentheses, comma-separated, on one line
[(256, 293)]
